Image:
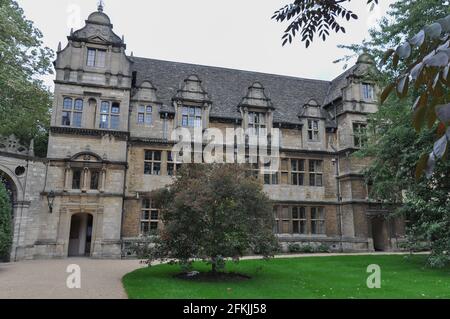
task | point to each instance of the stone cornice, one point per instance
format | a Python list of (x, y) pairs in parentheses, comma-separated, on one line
[(88, 132), (98, 86)]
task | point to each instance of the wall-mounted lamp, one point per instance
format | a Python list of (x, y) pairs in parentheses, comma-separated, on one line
[(50, 199)]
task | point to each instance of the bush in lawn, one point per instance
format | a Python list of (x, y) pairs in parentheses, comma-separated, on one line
[(212, 212), (322, 248), (5, 223)]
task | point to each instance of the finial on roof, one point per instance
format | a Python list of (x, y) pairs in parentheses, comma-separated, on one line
[(132, 54), (100, 6), (59, 46)]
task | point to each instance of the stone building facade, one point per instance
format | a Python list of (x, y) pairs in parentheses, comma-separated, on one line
[(110, 145)]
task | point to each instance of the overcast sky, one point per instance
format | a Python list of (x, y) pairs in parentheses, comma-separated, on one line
[(233, 33)]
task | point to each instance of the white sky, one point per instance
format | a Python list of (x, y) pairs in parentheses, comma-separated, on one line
[(233, 33)]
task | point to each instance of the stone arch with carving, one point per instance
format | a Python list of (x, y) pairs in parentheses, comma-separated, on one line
[(16, 184)]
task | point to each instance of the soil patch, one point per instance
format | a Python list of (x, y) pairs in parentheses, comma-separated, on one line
[(212, 277)]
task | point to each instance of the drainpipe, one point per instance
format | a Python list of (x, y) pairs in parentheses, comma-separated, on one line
[(338, 184), (125, 177)]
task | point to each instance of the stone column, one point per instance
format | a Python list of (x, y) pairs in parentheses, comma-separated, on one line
[(85, 180), (67, 177)]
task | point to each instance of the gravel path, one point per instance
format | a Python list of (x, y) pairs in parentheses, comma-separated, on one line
[(46, 279)]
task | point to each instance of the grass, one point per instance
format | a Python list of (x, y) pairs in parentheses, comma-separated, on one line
[(402, 276)]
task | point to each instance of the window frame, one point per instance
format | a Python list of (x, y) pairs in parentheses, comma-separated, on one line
[(79, 179), (96, 60), (175, 165), (72, 111), (191, 116), (92, 173), (298, 173), (368, 91), (146, 111), (257, 122), (315, 173), (112, 117), (147, 218), (313, 132), (152, 162), (318, 220), (359, 134)]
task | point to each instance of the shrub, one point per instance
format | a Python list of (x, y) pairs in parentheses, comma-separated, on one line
[(322, 248), (5, 223)]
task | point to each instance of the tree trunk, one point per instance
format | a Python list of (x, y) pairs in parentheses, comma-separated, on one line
[(214, 266)]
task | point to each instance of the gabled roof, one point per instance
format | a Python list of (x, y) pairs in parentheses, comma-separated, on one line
[(227, 87)]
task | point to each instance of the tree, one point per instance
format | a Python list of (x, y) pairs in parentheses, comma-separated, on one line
[(428, 71), (396, 146), (24, 101), (309, 17), (213, 212), (5, 223)]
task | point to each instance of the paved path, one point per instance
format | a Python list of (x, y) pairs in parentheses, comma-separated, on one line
[(46, 279)]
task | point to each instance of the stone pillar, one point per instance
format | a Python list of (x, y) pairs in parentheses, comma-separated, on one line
[(102, 179), (85, 180), (67, 178)]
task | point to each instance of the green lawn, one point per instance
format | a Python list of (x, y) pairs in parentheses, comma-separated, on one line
[(308, 277)]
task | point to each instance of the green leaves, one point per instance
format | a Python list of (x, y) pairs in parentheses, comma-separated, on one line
[(5, 222), (428, 68), (24, 102), (310, 17), (213, 211)]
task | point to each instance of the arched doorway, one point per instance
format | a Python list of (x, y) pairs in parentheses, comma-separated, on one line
[(80, 237)]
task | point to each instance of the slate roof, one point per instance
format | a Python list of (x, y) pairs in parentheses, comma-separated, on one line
[(227, 87), (336, 86)]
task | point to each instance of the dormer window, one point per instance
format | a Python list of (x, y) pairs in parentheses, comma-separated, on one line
[(96, 57), (191, 116), (72, 112), (145, 115), (368, 91), (257, 122), (313, 130), (110, 115)]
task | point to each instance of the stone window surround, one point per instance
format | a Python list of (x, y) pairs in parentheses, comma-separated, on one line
[(153, 164), (74, 97), (72, 110), (87, 98), (86, 173), (110, 114), (358, 129), (286, 170), (369, 88), (255, 169), (205, 106), (147, 208), (315, 172), (93, 60), (313, 134), (307, 219), (245, 117), (146, 114), (84, 55)]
